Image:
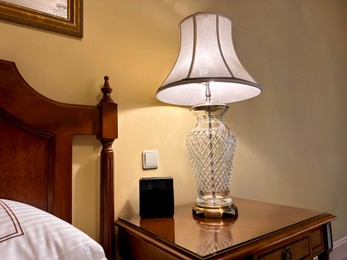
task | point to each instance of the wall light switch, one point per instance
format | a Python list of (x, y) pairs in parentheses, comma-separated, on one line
[(150, 159)]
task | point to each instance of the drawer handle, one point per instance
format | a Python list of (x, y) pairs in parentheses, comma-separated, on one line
[(287, 254)]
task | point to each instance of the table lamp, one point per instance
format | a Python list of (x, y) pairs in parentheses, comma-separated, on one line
[(208, 75)]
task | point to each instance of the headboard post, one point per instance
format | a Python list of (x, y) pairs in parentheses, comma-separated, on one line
[(108, 132)]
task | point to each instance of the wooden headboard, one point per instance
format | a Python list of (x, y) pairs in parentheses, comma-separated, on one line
[(36, 148)]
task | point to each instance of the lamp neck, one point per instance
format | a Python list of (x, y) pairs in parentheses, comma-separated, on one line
[(207, 92)]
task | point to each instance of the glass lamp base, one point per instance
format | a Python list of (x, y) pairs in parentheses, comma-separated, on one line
[(215, 212)]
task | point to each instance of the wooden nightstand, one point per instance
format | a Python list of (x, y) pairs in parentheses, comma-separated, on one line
[(261, 231)]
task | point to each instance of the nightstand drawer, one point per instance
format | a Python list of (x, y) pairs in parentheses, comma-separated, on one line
[(317, 241), (297, 250)]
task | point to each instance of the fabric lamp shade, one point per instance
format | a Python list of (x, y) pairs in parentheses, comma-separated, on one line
[(207, 55)]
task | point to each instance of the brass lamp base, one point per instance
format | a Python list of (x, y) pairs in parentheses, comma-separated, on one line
[(215, 212)]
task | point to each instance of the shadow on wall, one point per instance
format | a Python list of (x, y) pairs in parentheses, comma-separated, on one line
[(86, 184)]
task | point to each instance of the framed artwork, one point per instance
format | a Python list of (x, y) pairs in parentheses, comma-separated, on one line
[(61, 16)]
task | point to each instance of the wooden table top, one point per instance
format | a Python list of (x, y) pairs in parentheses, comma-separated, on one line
[(203, 236)]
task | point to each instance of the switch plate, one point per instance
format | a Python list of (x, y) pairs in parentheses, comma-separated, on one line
[(150, 159)]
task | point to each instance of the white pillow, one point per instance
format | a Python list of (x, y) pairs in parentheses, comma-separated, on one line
[(30, 233)]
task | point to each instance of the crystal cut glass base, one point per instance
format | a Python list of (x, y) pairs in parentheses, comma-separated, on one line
[(211, 148)]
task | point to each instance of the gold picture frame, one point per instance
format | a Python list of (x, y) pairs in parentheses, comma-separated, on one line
[(61, 16)]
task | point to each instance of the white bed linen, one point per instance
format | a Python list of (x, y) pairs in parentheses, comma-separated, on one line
[(29, 233)]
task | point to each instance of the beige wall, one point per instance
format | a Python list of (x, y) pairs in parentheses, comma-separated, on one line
[(291, 139)]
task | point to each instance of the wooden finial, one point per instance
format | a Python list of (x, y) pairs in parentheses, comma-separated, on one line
[(106, 90)]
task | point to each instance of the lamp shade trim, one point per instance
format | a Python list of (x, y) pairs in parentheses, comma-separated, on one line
[(201, 81), (189, 92)]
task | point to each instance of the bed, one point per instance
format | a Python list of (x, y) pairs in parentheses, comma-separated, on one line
[(36, 136)]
